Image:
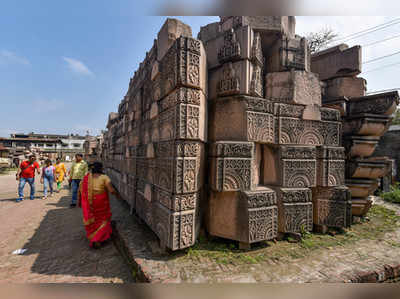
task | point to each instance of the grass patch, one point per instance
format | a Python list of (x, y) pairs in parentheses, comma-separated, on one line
[(393, 195), (224, 252)]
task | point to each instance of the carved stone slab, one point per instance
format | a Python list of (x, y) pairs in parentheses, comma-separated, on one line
[(294, 209), (231, 174), (184, 64), (308, 132), (242, 118), (169, 32), (367, 168), (289, 53), (383, 104), (331, 166), (350, 87), (366, 125), (230, 45), (332, 206), (240, 77), (289, 166), (270, 25), (360, 146), (296, 87), (248, 217), (337, 61)]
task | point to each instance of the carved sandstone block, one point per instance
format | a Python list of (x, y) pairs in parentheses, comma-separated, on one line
[(289, 166), (337, 61), (350, 87), (331, 166), (332, 206), (183, 65), (233, 45), (176, 230), (267, 25), (308, 132), (372, 168), (366, 125), (288, 53), (242, 118), (383, 104), (170, 31), (294, 209), (249, 216), (184, 121), (240, 77), (296, 87)]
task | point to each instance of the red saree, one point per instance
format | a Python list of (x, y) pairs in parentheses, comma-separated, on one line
[(96, 212)]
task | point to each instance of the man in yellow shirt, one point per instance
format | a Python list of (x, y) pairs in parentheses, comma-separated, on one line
[(78, 170)]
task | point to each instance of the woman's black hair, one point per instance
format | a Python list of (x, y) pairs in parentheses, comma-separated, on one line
[(97, 167), (48, 161)]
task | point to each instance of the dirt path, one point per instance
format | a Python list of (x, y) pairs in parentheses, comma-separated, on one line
[(54, 236)]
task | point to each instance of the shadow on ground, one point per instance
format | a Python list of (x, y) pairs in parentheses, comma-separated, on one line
[(62, 248)]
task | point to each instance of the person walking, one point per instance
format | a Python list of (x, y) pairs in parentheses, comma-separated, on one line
[(95, 203), (48, 177), (26, 174), (61, 171), (78, 170)]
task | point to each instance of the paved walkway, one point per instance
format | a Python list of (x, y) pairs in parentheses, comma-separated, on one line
[(54, 236), (371, 257)]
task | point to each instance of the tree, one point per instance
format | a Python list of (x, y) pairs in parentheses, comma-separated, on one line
[(321, 39), (396, 119)]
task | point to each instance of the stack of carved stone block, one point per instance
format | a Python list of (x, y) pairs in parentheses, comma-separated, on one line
[(269, 145), (155, 144), (365, 119)]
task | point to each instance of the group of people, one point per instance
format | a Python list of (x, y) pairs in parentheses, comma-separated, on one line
[(49, 175), (90, 189)]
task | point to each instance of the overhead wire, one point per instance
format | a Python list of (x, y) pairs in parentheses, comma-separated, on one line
[(382, 67), (381, 57), (380, 41), (367, 31)]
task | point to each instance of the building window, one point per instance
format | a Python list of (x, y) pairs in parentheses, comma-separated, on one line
[(77, 145), (40, 145), (65, 145), (49, 145)]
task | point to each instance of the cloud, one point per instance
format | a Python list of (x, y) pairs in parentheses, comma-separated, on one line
[(77, 66), (11, 57), (44, 105)]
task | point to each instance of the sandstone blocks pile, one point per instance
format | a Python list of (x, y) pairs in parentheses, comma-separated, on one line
[(235, 132)]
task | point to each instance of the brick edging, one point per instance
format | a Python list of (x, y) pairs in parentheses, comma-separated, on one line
[(135, 264), (387, 272)]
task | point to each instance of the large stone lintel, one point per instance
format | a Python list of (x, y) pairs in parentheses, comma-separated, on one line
[(338, 61)]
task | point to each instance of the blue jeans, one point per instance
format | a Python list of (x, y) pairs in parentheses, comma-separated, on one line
[(75, 188), (48, 181), (21, 186)]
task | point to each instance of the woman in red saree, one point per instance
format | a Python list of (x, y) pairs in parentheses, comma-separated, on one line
[(94, 200)]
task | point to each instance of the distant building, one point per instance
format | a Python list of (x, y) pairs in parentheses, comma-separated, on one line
[(44, 145)]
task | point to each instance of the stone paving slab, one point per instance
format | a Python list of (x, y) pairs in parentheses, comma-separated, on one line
[(54, 236), (367, 260)]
